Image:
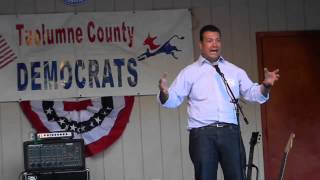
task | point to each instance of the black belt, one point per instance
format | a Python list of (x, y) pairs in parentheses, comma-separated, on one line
[(216, 125), (220, 125)]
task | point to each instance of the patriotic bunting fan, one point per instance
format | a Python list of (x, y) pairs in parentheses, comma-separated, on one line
[(99, 121)]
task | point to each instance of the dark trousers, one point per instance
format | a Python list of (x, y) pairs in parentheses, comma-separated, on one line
[(210, 145)]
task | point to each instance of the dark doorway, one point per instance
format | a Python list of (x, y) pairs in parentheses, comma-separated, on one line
[(294, 105)]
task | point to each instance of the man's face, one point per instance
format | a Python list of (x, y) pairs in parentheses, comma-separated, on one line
[(210, 46)]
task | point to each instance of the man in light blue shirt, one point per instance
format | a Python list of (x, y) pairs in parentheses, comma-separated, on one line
[(214, 133)]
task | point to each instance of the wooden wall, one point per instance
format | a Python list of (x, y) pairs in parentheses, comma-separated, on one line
[(155, 143)]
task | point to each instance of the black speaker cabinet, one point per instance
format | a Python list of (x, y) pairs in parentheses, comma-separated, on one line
[(54, 155), (57, 175)]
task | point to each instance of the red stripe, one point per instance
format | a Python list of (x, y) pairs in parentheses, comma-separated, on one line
[(8, 58), (1, 41), (76, 106), (116, 131), (8, 62), (33, 117), (5, 53), (2, 45), (3, 50)]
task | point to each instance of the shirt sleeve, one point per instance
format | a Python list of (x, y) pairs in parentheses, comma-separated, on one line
[(251, 91), (178, 90)]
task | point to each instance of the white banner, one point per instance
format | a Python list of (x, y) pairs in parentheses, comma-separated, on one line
[(53, 56)]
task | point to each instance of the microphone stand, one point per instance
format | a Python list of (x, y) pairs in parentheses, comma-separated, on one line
[(238, 108), (233, 98)]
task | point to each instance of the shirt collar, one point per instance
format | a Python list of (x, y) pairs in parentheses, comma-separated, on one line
[(203, 60)]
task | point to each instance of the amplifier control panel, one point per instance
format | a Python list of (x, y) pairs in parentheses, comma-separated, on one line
[(54, 154)]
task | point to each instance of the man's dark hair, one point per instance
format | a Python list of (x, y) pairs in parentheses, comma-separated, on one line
[(210, 28)]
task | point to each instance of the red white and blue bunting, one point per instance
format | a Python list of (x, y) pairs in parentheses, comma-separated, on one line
[(99, 121)]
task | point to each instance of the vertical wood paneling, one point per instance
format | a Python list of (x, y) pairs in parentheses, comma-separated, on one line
[(312, 15), (25, 6), (61, 7), (123, 5), (187, 167), (295, 14), (151, 138), (104, 5), (258, 23), (11, 141), (200, 3), (163, 4), (8, 7), (179, 4), (1, 141), (89, 6), (240, 31), (45, 6), (200, 17), (26, 129), (276, 15), (143, 4), (132, 145), (96, 166), (171, 151), (113, 161), (222, 19), (247, 129)]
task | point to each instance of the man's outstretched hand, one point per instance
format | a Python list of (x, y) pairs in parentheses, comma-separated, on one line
[(270, 77), (163, 87)]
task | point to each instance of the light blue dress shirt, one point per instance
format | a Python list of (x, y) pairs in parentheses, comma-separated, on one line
[(208, 99)]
